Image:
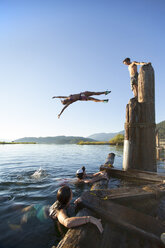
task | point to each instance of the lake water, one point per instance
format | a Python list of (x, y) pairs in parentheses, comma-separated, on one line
[(19, 189)]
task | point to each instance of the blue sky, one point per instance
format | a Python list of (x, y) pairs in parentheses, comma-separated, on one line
[(60, 47)]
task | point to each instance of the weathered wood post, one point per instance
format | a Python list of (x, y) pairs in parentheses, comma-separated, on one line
[(146, 97), (157, 145), (157, 138), (139, 144), (158, 150)]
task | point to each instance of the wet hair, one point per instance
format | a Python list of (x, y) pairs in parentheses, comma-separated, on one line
[(80, 175), (83, 168), (127, 60), (111, 154), (63, 197)]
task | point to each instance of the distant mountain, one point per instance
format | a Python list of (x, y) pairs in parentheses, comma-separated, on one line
[(54, 140), (76, 139), (108, 136), (104, 136)]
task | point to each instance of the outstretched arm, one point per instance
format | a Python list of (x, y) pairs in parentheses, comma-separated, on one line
[(60, 97), (99, 173), (140, 63), (96, 178), (78, 221), (63, 109)]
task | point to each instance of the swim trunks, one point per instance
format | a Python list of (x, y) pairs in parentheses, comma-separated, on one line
[(134, 80), (83, 97)]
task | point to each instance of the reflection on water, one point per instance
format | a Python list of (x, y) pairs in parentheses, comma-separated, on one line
[(30, 175)]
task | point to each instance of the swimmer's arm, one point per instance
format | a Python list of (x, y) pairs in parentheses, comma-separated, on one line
[(73, 221), (95, 174), (64, 109), (77, 221), (96, 178), (98, 173)]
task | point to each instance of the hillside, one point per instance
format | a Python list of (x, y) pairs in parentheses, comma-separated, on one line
[(104, 136), (161, 127), (109, 136), (54, 140), (76, 139)]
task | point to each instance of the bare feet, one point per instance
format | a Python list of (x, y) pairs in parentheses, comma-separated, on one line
[(107, 92)]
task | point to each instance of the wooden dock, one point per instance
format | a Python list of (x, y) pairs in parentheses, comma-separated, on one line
[(133, 174), (128, 217)]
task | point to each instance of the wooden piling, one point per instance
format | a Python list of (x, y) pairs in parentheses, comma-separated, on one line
[(157, 138), (139, 144)]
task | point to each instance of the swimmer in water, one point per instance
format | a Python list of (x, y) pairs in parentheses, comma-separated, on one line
[(40, 173), (59, 210), (31, 212), (83, 96), (81, 176)]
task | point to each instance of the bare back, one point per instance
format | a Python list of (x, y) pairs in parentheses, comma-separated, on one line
[(74, 97)]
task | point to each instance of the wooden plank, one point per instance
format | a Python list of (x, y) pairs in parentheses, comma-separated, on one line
[(145, 199), (124, 194), (102, 184), (135, 174), (131, 220), (155, 190), (115, 237)]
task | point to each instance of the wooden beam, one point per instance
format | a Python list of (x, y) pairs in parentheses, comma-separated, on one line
[(145, 199), (135, 174), (129, 219)]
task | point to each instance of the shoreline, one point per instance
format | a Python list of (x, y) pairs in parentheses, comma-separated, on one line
[(100, 143), (16, 143)]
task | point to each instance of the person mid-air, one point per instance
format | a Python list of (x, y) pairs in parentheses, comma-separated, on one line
[(83, 96)]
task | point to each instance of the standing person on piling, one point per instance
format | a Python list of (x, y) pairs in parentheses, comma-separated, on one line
[(132, 67)]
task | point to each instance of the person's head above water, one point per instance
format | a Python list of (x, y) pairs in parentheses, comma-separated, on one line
[(111, 155), (127, 61), (80, 173), (64, 195)]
